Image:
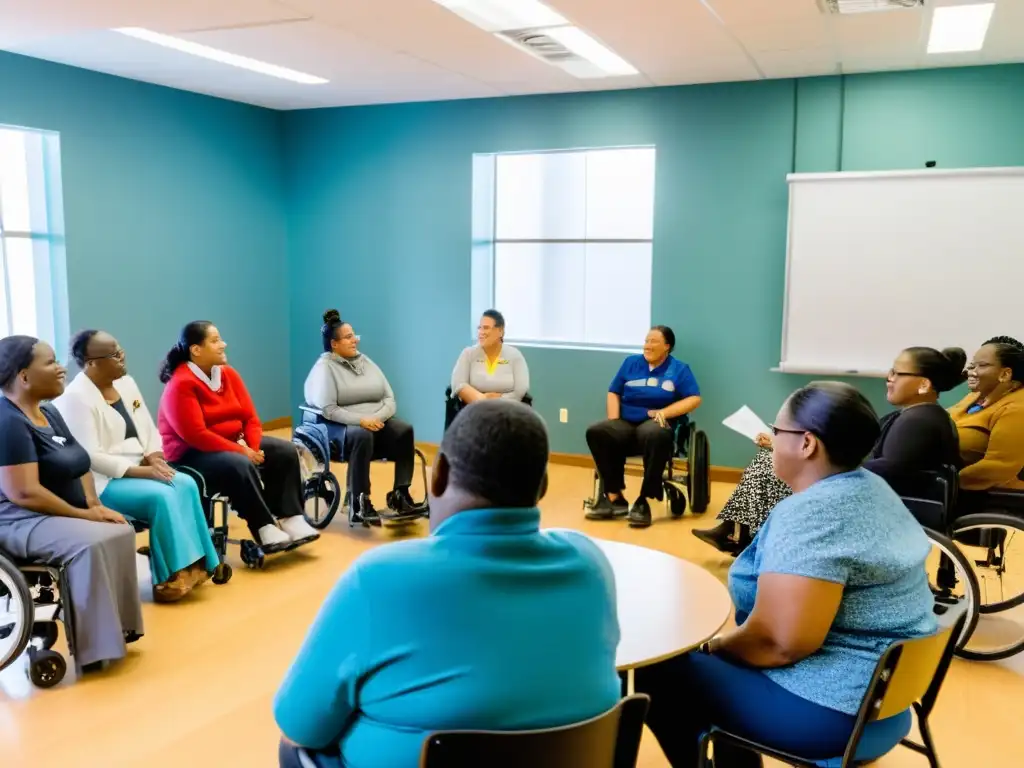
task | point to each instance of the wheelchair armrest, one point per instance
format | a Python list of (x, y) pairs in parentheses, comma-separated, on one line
[(311, 409), (195, 474)]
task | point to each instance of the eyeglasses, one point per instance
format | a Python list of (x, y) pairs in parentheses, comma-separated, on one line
[(894, 374), (117, 354), (349, 337), (776, 431)]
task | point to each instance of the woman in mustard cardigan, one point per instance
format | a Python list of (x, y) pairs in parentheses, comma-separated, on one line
[(990, 420)]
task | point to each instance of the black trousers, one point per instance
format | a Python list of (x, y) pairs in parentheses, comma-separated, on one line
[(612, 441), (395, 442), (257, 495)]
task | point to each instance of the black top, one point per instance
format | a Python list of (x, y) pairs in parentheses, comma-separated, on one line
[(62, 461), (916, 439), (129, 424)]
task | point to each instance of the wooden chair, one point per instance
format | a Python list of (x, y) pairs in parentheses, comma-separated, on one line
[(610, 740), (909, 675)]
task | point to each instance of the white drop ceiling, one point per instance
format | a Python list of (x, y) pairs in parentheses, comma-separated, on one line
[(379, 51)]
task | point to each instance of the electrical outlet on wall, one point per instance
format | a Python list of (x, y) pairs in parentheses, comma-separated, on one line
[(563, 415)]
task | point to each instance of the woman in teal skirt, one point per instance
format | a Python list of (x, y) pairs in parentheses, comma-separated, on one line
[(107, 415)]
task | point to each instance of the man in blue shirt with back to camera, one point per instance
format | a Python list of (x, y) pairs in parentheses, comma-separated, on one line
[(488, 623), (649, 397)]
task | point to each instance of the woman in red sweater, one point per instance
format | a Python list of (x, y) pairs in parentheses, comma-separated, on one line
[(208, 422)]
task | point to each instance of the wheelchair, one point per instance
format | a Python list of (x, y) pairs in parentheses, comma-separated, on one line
[(218, 533), (692, 481), (453, 405), (976, 536), (32, 601), (251, 553), (321, 487)]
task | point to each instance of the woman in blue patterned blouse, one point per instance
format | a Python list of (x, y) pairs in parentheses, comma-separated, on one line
[(833, 577)]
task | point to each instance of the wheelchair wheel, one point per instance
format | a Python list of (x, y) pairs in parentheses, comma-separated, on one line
[(17, 612), (698, 474), (222, 574), (321, 499), (676, 499), (952, 581), (993, 546), (46, 668)]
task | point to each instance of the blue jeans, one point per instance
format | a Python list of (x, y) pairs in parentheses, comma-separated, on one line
[(691, 693)]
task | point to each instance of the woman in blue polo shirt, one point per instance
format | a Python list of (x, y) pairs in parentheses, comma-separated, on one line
[(648, 397)]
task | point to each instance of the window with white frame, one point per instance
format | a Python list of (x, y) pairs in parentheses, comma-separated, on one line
[(33, 284), (563, 245)]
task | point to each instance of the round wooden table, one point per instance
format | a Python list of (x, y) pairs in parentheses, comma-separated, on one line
[(667, 606)]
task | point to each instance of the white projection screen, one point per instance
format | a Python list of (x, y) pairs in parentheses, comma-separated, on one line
[(877, 262)]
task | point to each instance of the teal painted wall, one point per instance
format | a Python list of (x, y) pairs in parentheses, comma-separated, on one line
[(379, 212), (174, 211)]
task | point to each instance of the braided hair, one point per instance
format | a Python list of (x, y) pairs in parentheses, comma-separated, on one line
[(1010, 354)]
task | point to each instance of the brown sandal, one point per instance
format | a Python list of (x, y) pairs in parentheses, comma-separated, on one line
[(172, 590)]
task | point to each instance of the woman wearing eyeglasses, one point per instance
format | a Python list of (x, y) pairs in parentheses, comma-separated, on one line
[(834, 576), (105, 411), (916, 436), (356, 399), (990, 419)]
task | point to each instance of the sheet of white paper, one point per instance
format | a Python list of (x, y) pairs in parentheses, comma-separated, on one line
[(747, 423)]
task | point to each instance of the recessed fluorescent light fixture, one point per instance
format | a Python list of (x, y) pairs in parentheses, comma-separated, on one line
[(539, 30), (867, 6), (959, 28), (223, 57), (503, 15)]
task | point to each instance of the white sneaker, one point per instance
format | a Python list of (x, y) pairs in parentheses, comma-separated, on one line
[(271, 538), (298, 528)]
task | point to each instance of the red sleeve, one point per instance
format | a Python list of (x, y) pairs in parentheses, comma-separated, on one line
[(186, 418), (252, 428)]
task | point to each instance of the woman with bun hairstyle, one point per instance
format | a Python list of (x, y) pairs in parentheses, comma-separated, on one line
[(359, 406), (990, 419), (917, 436), (207, 421)]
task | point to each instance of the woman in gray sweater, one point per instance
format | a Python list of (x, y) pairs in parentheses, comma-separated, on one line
[(357, 401), (492, 368)]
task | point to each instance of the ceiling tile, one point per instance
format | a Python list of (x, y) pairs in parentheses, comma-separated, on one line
[(806, 63), (24, 20), (736, 12), (794, 35)]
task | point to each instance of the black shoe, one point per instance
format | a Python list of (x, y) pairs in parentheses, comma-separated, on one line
[(606, 509), (365, 513), (640, 514), (719, 537), (400, 502)]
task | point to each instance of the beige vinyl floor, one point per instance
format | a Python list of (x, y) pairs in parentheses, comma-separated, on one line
[(197, 688)]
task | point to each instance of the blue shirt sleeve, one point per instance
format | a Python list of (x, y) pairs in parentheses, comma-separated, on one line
[(17, 445), (318, 696), (686, 383), (803, 538), (618, 385)]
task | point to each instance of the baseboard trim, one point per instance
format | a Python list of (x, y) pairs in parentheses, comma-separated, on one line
[(718, 474), (284, 422)]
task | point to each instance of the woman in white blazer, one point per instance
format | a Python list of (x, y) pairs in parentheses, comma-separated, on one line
[(108, 417)]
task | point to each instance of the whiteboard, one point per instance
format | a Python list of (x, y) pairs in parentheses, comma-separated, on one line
[(877, 262)]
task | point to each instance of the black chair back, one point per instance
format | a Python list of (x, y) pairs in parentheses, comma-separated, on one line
[(452, 406), (931, 497), (610, 740)]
